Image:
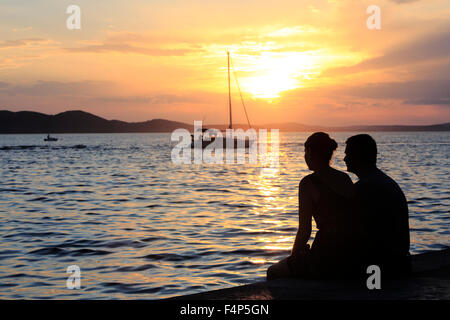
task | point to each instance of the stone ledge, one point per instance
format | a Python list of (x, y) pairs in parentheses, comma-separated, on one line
[(430, 280)]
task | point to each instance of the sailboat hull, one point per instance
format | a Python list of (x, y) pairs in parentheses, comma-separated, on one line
[(236, 144)]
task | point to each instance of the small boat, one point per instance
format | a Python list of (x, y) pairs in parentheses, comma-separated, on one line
[(50, 138), (237, 143)]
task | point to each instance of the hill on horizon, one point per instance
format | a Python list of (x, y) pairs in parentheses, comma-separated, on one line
[(77, 121)]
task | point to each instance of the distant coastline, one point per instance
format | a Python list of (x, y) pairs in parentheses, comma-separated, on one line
[(26, 122)]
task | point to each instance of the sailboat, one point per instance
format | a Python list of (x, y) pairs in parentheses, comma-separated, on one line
[(49, 138), (237, 143)]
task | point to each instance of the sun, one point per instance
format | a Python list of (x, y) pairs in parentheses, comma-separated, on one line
[(270, 84), (268, 75)]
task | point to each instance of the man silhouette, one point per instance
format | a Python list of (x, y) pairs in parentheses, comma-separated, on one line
[(381, 208)]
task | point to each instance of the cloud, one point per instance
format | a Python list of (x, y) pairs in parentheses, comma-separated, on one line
[(151, 99), (419, 92), (52, 88), (403, 1), (126, 48), (429, 101), (99, 92), (129, 42), (273, 38), (21, 42), (19, 52), (414, 93), (3, 85), (435, 46)]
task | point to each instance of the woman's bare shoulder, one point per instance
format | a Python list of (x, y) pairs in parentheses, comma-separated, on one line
[(306, 184), (343, 175), (342, 183), (306, 180)]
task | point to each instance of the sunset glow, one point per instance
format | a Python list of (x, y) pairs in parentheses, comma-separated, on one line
[(255, 151), (295, 61)]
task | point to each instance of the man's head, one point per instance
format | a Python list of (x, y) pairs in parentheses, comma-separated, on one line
[(360, 153)]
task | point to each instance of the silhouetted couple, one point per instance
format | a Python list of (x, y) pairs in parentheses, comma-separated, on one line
[(358, 225)]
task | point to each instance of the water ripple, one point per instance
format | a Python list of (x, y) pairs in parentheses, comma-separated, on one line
[(139, 226)]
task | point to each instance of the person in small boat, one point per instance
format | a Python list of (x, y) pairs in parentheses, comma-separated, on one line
[(327, 196), (382, 209)]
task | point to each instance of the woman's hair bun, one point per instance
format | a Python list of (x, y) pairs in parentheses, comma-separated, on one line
[(333, 144), (321, 143)]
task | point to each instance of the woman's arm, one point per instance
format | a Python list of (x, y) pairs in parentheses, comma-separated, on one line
[(305, 212)]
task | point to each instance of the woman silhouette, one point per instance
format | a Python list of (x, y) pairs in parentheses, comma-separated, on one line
[(324, 195)]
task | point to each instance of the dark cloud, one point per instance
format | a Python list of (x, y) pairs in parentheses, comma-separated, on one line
[(414, 93), (47, 88), (151, 99), (403, 1), (429, 101), (3, 85), (93, 91), (420, 92), (434, 46)]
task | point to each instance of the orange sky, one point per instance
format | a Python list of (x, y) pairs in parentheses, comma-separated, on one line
[(312, 62)]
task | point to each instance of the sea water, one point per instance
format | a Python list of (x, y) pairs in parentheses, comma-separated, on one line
[(140, 227)]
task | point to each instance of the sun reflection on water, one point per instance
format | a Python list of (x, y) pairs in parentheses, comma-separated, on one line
[(273, 205)]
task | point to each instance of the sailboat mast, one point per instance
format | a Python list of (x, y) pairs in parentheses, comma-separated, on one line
[(229, 89)]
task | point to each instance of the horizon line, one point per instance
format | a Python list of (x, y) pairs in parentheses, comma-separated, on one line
[(238, 124)]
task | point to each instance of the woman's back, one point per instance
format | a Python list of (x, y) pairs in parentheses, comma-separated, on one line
[(324, 195), (332, 193)]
